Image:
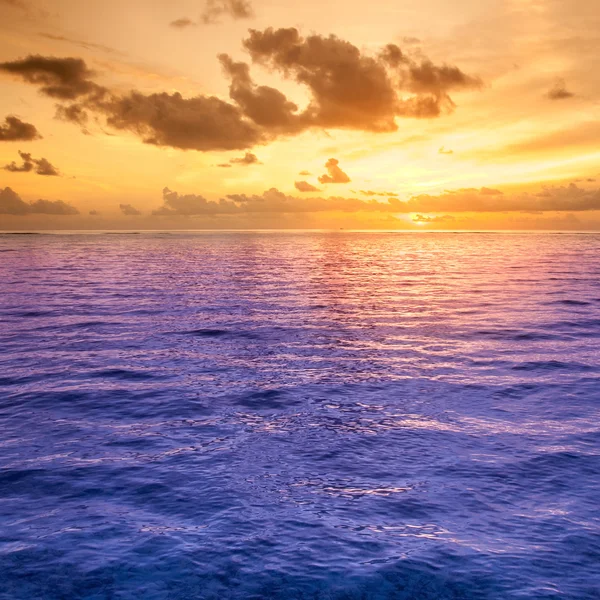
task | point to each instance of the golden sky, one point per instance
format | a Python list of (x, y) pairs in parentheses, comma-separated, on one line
[(414, 114)]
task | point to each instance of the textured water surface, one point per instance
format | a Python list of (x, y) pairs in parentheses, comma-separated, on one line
[(300, 415)]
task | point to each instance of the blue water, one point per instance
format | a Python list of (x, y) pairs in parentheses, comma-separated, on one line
[(300, 415)]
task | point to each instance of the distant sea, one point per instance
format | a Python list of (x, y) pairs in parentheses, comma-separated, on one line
[(300, 415)]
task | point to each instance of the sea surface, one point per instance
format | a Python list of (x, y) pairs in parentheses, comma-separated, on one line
[(302, 415)]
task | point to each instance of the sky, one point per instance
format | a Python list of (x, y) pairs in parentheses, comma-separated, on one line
[(256, 114)]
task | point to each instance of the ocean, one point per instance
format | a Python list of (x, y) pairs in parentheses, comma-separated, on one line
[(300, 415)]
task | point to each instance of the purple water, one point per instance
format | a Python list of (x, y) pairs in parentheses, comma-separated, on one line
[(300, 415)]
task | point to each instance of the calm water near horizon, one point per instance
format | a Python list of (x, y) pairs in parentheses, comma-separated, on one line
[(300, 415)]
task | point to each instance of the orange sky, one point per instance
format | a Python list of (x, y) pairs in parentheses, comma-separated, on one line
[(474, 114)]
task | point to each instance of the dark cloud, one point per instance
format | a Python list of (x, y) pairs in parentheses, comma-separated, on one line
[(352, 90), (266, 106), (348, 89), (62, 78), (202, 123), (304, 186), (16, 130), (12, 204), (443, 150), (247, 159), (437, 219), (129, 210), (559, 91), (41, 166), (94, 213), (182, 23), (73, 113), (334, 173), (236, 9)]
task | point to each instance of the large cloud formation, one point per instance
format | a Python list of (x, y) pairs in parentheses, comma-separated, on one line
[(569, 198), (12, 204), (347, 88), (15, 130), (41, 166)]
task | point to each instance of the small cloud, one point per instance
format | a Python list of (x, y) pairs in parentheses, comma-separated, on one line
[(385, 194), (411, 40), (129, 210), (443, 150), (559, 91), (182, 23), (305, 173), (94, 213), (236, 9), (426, 219), (247, 159), (591, 180), (304, 186), (41, 166), (15, 130), (335, 174)]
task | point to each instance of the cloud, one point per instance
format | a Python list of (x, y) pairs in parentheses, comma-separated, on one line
[(80, 43), (182, 23), (266, 106), (20, 4), (191, 204), (40, 165), (52, 207), (335, 174), (443, 150), (129, 210), (569, 199), (352, 90), (304, 186), (12, 204), (372, 193), (236, 9), (437, 219), (16, 130), (247, 159), (348, 90), (62, 78), (559, 91), (201, 123), (305, 173), (94, 213)]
